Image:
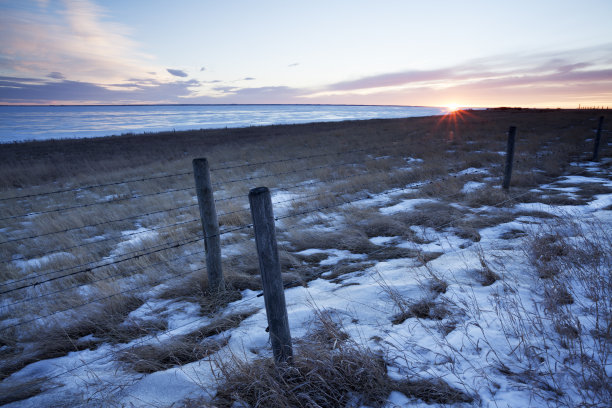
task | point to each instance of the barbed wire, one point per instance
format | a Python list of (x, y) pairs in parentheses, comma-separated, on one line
[(166, 247), (122, 274), (140, 232), (277, 218), (364, 149), (189, 172), (21, 323), (344, 202), (169, 331), (175, 190), (133, 344), (115, 183), (64, 209), (79, 266), (92, 186), (144, 340), (100, 223), (112, 238), (313, 182), (188, 206), (436, 227), (179, 208)]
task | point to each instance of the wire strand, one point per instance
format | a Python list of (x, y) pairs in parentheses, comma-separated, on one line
[(89, 269), (100, 223), (112, 238), (115, 183)]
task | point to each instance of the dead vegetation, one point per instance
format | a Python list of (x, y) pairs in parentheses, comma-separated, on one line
[(328, 370), (145, 224), (571, 263), (183, 349)]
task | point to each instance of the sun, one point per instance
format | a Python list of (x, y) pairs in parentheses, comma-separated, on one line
[(452, 107)]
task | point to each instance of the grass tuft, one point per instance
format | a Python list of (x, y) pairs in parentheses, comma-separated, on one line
[(328, 370)]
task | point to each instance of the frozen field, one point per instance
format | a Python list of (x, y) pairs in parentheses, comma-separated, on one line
[(431, 286)]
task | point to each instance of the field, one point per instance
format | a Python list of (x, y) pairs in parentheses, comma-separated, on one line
[(411, 276)]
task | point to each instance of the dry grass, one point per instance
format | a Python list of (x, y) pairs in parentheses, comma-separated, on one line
[(572, 264), (85, 237), (22, 391), (328, 370), (103, 322), (184, 349)]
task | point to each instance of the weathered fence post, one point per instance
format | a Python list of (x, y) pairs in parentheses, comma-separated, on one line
[(210, 225), (597, 139), (269, 266), (509, 157)]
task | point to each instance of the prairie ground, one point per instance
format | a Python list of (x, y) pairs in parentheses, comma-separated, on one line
[(411, 277)]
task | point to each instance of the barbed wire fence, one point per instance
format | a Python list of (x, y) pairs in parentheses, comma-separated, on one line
[(111, 266)]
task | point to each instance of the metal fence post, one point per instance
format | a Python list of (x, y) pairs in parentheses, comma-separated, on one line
[(597, 139), (269, 266), (210, 225), (509, 157)]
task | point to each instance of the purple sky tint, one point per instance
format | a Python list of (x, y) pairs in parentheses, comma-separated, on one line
[(470, 53)]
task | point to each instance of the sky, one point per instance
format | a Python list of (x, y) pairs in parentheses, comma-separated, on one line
[(385, 52)]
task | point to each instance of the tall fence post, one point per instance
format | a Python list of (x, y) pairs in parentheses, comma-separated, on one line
[(269, 266), (597, 139), (210, 225), (509, 157)]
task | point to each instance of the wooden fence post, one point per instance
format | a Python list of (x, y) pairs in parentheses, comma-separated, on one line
[(509, 157), (210, 225), (597, 139), (269, 266)]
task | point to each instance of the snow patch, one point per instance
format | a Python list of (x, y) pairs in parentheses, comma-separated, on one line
[(406, 205), (472, 186), (382, 240)]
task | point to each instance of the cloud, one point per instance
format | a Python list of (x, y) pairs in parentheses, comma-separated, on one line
[(56, 75), (21, 80), (177, 72), (295, 64), (550, 79), (530, 78), (580, 65), (264, 94), (17, 91), (391, 79), (73, 37), (22, 90)]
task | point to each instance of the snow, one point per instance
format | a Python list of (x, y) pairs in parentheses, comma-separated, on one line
[(406, 205), (165, 388), (472, 186), (382, 240), (471, 170), (468, 357), (135, 238), (600, 202), (24, 265), (584, 179), (334, 255), (413, 160)]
